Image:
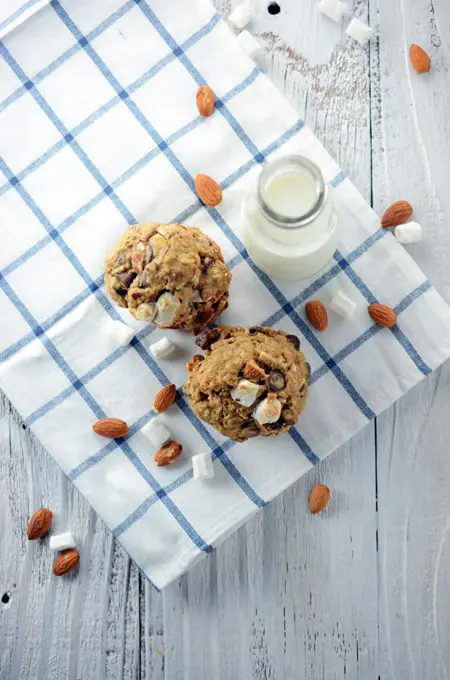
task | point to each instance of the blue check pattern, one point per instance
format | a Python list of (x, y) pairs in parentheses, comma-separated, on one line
[(17, 15), (177, 53)]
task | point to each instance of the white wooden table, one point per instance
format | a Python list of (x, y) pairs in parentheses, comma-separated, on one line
[(362, 592)]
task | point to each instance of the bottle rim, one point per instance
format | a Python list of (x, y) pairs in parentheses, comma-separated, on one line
[(293, 163)]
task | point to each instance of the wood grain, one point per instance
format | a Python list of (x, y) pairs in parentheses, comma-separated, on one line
[(359, 591), (411, 160)]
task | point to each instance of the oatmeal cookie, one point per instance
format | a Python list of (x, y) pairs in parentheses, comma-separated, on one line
[(170, 274), (252, 381)]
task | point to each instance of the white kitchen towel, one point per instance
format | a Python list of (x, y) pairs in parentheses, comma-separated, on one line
[(13, 13), (98, 129)]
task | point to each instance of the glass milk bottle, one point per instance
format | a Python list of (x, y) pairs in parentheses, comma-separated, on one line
[(290, 221)]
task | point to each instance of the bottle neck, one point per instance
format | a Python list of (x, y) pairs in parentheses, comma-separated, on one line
[(291, 192)]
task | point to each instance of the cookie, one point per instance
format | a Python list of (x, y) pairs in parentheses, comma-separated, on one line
[(252, 381), (169, 274)]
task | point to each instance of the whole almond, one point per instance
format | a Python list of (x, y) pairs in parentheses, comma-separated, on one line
[(66, 561), (318, 498), (168, 453), (165, 398), (113, 428), (252, 371), (419, 59), (39, 523), (397, 213), (205, 101), (382, 314), (317, 314), (208, 191)]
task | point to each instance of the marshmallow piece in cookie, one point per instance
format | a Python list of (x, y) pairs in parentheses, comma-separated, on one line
[(161, 349), (268, 410), (62, 541), (167, 308), (411, 232), (157, 433), (342, 305), (122, 333), (145, 312), (245, 393), (334, 9), (359, 31), (250, 45), (202, 466)]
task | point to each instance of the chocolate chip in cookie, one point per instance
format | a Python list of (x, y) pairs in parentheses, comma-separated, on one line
[(126, 278), (294, 341), (308, 369), (207, 262), (206, 339), (276, 381)]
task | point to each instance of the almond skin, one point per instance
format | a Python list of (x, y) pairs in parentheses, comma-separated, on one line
[(252, 371), (66, 561), (205, 101), (317, 314), (113, 428), (382, 315), (168, 453), (39, 523), (419, 59), (165, 398), (397, 213), (208, 191), (318, 498)]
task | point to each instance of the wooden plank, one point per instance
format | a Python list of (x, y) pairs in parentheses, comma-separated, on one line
[(412, 161), (86, 625), (291, 595)]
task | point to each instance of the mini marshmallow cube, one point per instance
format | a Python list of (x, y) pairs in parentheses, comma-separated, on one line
[(62, 541), (166, 309), (240, 17), (157, 433), (342, 305), (411, 232), (334, 9), (267, 411), (245, 393), (122, 333), (250, 45), (162, 348), (202, 466), (359, 31)]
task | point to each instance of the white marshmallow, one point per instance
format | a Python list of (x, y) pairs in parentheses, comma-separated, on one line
[(245, 393), (250, 45), (267, 411), (240, 17), (122, 333), (411, 232), (162, 348), (359, 31), (157, 433), (342, 305), (166, 309), (334, 9), (62, 541), (202, 466), (145, 312)]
